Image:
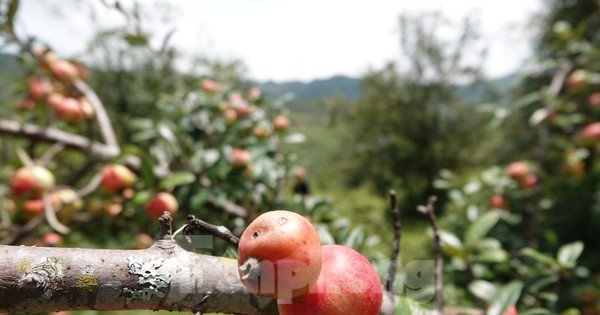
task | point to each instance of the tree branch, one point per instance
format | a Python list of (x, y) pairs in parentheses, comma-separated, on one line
[(162, 277), (389, 281), (439, 261), (53, 135)]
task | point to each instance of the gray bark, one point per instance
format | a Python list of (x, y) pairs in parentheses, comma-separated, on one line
[(162, 277)]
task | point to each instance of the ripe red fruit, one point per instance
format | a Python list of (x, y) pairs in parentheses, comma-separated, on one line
[(240, 157), (577, 80), (511, 310), (594, 100), (281, 123), (589, 135), (38, 88), (529, 181), (348, 284), (34, 207), (63, 70), (51, 239), (116, 177), (497, 202), (35, 181), (254, 93), (230, 115), (279, 255), (209, 85), (160, 203), (517, 170), (66, 108)]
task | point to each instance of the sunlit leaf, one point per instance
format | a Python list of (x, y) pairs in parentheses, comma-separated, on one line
[(484, 290), (481, 227), (136, 39), (177, 179), (506, 296), (569, 253)]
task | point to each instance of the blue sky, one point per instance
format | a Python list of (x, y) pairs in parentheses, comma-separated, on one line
[(296, 40)]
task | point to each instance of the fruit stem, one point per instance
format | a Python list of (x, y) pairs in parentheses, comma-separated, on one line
[(250, 269)]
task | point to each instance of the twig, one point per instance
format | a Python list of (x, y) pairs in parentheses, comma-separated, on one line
[(90, 187), (53, 135), (166, 222), (106, 130), (391, 276), (439, 262), (222, 232), (51, 153), (50, 215), (24, 230)]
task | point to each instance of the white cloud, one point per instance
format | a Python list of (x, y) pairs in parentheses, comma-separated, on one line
[(308, 39)]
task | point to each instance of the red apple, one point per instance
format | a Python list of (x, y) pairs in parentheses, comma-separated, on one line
[(116, 177), (577, 80), (86, 107), (63, 70), (230, 115), (511, 310), (33, 181), (281, 123), (143, 241), (529, 181), (38, 88), (517, 170), (209, 85), (347, 284), (279, 255), (34, 207), (240, 157), (66, 108), (260, 132), (497, 202), (160, 203), (589, 135), (52, 239), (594, 100), (254, 93)]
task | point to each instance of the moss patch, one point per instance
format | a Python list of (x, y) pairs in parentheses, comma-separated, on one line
[(87, 283), (23, 265)]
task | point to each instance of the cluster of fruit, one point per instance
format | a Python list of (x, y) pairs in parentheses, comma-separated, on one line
[(280, 256), (52, 85)]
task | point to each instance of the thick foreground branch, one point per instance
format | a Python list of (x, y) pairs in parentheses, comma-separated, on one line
[(162, 277)]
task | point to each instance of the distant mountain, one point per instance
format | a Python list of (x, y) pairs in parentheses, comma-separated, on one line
[(307, 95), (314, 90)]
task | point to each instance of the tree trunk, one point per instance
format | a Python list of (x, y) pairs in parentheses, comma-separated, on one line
[(162, 277)]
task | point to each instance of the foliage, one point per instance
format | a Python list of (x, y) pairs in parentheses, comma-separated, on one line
[(410, 123)]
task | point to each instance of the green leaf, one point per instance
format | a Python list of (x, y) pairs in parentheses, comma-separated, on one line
[(147, 171), (535, 311), (496, 255), (406, 305), (541, 282), (538, 256), (142, 197), (13, 7), (451, 244), (354, 238), (484, 290), (481, 227), (177, 179), (136, 39), (507, 295), (569, 253)]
